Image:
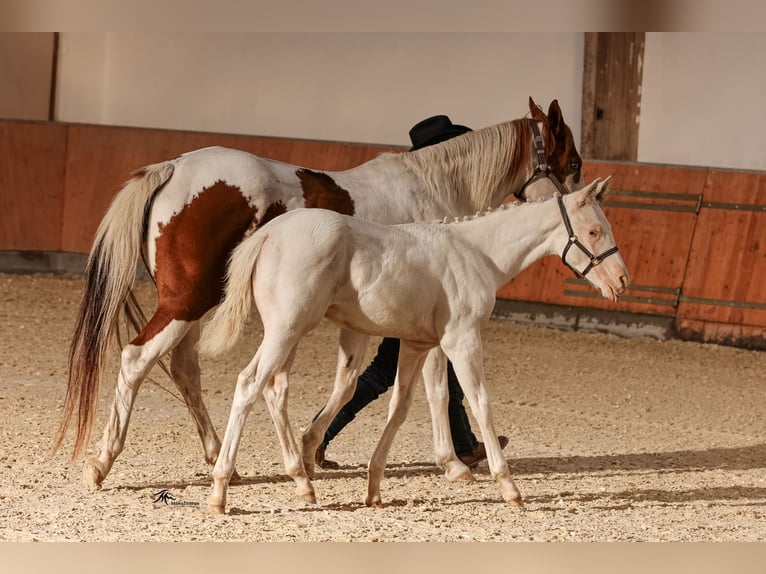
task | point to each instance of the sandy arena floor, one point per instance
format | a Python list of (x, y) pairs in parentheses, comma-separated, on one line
[(611, 439)]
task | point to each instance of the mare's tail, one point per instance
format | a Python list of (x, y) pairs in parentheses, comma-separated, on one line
[(109, 277), (227, 324)]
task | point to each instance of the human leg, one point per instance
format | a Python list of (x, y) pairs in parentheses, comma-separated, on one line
[(460, 427), (373, 382)]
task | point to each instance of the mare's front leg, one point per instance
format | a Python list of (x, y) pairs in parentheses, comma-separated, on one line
[(351, 350), (464, 348), (437, 393), (157, 338), (275, 393), (411, 360)]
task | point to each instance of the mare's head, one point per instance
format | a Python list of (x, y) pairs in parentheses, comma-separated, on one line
[(561, 161), (586, 243)]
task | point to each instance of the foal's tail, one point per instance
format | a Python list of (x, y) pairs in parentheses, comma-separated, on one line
[(109, 277), (228, 322)]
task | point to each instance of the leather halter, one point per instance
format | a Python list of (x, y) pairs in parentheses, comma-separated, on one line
[(594, 259), (542, 169)]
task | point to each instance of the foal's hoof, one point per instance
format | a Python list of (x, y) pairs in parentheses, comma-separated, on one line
[(374, 502), (215, 505), (93, 474), (217, 509), (516, 502), (309, 497)]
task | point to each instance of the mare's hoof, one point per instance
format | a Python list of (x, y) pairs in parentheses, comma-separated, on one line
[(92, 474)]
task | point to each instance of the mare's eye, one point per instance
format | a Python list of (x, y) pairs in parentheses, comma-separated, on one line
[(593, 233), (574, 165)]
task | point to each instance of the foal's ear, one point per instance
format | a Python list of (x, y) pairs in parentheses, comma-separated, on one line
[(602, 189), (536, 111), (589, 192)]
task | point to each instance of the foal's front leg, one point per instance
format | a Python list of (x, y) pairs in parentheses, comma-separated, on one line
[(410, 364), (351, 350), (437, 393), (464, 349)]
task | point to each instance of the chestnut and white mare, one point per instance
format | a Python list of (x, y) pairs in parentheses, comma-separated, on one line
[(184, 217), (431, 285)]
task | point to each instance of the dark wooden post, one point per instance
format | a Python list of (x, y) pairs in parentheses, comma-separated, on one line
[(611, 102)]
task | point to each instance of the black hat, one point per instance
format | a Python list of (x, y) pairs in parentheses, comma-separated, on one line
[(434, 130)]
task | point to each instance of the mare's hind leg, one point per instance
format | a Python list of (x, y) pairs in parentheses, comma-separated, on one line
[(275, 394), (351, 350), (437, 393), (184, 365), (411, 360), (136, 362)]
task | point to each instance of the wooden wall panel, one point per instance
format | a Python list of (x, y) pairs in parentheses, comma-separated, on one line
[(726, 278), (31, 185), (652, 212), (101, 158)]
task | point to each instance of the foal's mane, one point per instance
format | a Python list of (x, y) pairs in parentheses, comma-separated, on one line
[(488, 211), (474, 165)]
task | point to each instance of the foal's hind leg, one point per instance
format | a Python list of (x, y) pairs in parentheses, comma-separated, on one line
[(268, 362), (351, 350), (275, 394), (136, 362)]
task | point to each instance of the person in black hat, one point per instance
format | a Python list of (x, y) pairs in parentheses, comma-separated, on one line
[(380, 374)]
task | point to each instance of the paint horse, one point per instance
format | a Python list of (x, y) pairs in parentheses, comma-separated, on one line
[(429, 285), (185, 216)]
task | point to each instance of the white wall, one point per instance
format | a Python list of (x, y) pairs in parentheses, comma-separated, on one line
[(703, 100), (359, 87), (702, 95)]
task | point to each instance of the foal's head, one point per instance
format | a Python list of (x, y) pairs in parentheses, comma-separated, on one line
[(587, 246), (561, 157)]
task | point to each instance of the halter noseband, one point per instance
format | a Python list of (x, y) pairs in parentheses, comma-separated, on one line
[(594, 259), (541, 170)]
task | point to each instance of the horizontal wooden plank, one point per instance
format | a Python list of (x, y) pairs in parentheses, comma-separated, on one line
[(31, 185), (735, 187), (727, 269)]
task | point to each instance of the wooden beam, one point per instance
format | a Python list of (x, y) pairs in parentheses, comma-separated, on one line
[(612, 76)]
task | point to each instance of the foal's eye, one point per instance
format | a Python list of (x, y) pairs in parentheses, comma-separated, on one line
[(574, 165)]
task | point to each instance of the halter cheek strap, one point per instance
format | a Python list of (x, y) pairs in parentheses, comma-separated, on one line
[(541, 170), (573, 240)]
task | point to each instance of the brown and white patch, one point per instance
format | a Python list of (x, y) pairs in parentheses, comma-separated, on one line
[(321, 190)]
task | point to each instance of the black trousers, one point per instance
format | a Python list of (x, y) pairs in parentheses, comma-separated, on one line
[(379, 377)]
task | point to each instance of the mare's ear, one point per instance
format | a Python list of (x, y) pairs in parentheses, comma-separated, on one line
[(555, 121), (536, 111), (586, 193)]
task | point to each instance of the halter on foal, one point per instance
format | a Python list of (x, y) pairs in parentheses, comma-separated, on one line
[(429, 285), (185, 216)]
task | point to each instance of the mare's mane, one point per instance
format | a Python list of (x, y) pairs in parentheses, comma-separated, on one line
[(474, 165)]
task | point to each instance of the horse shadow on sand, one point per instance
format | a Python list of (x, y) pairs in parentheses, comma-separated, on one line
[(743, 458)]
